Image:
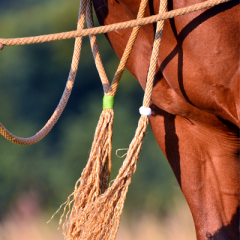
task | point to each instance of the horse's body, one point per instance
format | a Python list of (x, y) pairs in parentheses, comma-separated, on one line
[(196, 103)]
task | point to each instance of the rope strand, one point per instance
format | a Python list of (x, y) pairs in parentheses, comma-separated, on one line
[(65, 96), (110, 28)]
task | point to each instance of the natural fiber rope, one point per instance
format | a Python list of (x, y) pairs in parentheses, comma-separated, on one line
[(154, 58), (111, 91), (91, 31), (95, 50), (127, 50), (98, 216), (112, 27), (95, 177), (66, 94), (97, 208)]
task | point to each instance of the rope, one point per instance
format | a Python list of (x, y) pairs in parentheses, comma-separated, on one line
[(95, 176), (98, 216), (97, 208), (127, 50), (85, 9), (111, 90), (111, 27), (95, 50), (65, 96), (154, 58)]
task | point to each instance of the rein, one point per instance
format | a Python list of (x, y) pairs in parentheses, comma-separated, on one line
[(94, 207)]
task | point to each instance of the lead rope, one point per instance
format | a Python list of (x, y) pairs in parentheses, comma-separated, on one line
[(97, 209), (95, 176)]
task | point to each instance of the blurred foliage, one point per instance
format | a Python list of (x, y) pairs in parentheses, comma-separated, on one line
[(32, 79)]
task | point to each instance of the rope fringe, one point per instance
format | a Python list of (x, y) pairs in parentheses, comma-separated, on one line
[(94, 179), (95, 213)]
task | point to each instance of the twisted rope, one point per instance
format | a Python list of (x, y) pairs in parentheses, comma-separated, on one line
[(98, 216), (65, 96), (85, 9), (111, 27), (95, 176), (97, 208)]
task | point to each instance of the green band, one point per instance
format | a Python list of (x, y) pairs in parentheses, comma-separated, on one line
[(108, 102)]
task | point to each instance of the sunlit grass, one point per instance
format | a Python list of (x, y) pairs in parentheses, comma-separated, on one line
[(178, 224), (27, 222)]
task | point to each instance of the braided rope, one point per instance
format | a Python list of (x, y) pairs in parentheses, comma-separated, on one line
[(111, 27), (111, 90), (94, 179), (154, 57)]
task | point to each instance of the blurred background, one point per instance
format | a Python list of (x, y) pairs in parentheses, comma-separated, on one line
[(35, 180)]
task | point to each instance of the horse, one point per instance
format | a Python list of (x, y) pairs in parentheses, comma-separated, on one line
[(195, 102)]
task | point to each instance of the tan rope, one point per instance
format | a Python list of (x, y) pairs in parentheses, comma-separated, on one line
[(154, 58), (95, 176), (95, 50), (98, 217), (112, 27), (127, 50), (111, 91), (65, 96), (91, 31)]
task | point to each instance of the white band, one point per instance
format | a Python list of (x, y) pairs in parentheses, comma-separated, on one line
[(145, 111)]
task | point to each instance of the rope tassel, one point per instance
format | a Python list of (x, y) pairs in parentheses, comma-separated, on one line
[(98, 217), (94, 179)]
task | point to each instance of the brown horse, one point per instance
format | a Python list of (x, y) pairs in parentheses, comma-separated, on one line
[(195, 102)]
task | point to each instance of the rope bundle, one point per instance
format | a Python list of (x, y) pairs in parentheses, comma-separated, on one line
[(95, 213), (94, 208)]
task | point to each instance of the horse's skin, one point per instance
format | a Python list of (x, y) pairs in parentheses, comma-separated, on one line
[(195, 103)]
